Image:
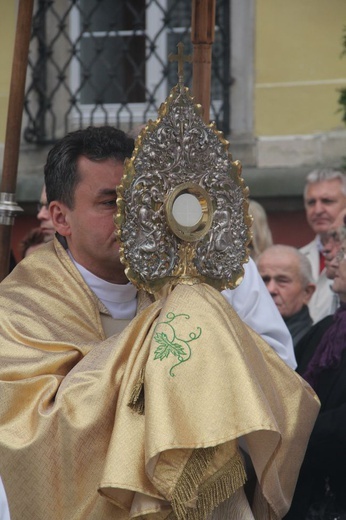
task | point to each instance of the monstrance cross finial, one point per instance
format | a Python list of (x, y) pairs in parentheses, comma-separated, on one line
[(180, 58)]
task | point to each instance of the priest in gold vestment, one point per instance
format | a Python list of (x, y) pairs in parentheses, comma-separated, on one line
[(71, 447), (167, 412)]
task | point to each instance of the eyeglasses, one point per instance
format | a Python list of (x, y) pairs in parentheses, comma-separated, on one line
[(41, 205), (340, 255), (328, 254)]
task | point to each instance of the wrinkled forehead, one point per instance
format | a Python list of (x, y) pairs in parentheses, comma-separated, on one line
[(278, 264)]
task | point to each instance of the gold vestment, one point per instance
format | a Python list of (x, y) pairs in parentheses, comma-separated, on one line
[(71, 447)]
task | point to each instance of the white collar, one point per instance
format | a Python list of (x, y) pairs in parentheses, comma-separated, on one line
[(119, 299)]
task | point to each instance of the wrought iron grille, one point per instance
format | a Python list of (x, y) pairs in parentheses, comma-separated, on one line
[(105, 62)]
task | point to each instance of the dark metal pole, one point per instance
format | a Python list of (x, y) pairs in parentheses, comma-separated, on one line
[(8, 207)]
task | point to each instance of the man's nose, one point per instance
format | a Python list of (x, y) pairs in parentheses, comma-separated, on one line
[(271, 286), (43, 214), (319, 206), (328, 253)]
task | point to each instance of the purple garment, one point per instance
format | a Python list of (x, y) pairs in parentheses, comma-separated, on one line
[(330, 349)]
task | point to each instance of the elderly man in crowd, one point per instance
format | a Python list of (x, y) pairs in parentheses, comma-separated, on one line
[(44, 217), (288, 277), (324, 198), (331, 245)]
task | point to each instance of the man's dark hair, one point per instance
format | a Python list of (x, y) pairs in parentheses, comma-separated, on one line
[(94, 143)]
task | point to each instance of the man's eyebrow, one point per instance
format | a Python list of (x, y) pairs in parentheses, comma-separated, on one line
[(106, 191)]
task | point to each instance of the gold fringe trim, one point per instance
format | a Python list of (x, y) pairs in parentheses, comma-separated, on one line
[(190, 479), (216, 489), (136, 402)]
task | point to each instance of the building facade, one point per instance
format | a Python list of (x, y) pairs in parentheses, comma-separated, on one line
[(277, 71)]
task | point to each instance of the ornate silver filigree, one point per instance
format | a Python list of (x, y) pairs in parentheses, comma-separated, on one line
[(180, 150)]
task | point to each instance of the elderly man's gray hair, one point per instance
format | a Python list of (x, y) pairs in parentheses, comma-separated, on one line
[(304, 265), (327, 174)]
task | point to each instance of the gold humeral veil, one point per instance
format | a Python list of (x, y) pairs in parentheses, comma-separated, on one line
[(159, 421), (71, 447)]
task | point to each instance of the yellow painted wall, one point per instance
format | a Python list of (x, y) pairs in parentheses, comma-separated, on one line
[(8, 21), (298, 66)]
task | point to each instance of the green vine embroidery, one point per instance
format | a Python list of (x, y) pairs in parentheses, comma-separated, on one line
[(170, 343)]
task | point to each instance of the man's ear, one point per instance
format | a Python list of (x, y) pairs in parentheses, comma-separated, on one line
[(59, 213), (309, 291)]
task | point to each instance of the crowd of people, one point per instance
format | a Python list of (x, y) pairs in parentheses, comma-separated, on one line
[(68, 305), (309, 289)]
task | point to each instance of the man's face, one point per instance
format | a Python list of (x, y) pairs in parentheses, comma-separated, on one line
[(281, 276), (331, 243), (43, 215), (323, 202), (331, 246), (89, 226)]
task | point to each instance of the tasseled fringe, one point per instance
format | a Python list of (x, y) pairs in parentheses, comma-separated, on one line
[(219, 488), (136, 402), (211, 493), (190, 479)]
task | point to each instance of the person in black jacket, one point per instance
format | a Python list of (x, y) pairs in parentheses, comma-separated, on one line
[(321, 357)]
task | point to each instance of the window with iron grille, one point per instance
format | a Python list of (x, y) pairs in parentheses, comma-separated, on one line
[(106, 62)]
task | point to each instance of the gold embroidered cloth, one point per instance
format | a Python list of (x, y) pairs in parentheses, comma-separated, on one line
[(71, 447)]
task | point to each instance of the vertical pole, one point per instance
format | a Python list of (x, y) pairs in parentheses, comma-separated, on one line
[(8, 206), (202, 37)]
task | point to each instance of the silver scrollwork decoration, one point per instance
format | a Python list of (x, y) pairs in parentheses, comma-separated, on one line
[(176, 154)]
